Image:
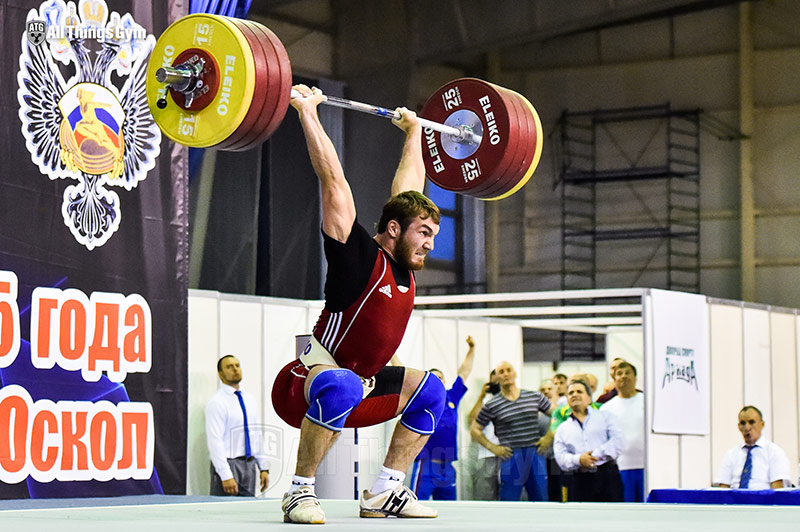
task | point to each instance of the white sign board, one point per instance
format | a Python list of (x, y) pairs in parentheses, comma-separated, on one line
[(681, 395)]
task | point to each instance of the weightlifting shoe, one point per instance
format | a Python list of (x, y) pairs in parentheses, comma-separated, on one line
[(302, 506), (399, 502)]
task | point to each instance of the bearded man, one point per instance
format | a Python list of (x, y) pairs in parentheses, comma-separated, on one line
[(342, 378)]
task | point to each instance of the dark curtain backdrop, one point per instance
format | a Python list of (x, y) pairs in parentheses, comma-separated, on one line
[(262, 232)]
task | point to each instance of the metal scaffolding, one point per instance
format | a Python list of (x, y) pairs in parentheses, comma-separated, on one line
[(603, 149)]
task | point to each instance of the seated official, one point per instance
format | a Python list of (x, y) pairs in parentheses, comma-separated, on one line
[(758, 464)]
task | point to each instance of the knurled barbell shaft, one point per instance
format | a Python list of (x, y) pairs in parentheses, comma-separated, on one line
[(463, 135)]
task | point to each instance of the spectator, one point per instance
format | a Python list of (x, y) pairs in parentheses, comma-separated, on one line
[(486, 474), (563, 413), (548, 389), (433, 473), (560, 382), (610, 389), (515, 415), (588, 444), (559, 481), (628, 407), (237, 457), (759, 464)]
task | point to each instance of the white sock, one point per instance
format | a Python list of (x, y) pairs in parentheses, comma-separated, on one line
[(388, 479), (298, 482)]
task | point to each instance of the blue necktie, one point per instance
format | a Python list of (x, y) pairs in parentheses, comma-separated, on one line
[(747, 470), (247, 451)]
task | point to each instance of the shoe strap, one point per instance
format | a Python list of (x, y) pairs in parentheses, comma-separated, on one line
[(397, 500)]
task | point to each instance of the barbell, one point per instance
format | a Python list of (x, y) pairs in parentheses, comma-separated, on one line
[(226, 83)]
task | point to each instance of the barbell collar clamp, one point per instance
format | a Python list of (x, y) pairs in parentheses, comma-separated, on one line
[(185, 78)]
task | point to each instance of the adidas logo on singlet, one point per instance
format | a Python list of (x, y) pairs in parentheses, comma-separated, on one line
[(386, 290)]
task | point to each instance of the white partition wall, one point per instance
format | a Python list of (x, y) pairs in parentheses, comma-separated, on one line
[(727, 380), (753, 354), (784, 384), (758, 363), (203, 355), (753, 361)]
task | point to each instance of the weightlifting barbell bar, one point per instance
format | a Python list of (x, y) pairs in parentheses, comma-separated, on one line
[(462, 134), (226, 84)]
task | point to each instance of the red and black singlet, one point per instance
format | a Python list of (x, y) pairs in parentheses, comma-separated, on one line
[(368, 302)]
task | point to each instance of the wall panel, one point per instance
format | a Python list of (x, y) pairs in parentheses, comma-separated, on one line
[(663, 461), (784, 385), (695, 462), (203, 381), (281, 323), (727, 379), (440, 336), (757, 361)]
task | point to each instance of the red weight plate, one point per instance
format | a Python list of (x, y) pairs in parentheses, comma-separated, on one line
[(491, 157), (515, 147), (535, 146), (523, 154), (283, 91), (271, 85), (536, 143), (538, 150), (261, 74), (528, 165)]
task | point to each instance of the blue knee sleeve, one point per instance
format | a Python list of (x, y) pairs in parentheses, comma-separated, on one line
[(423, 410), (333, 394)]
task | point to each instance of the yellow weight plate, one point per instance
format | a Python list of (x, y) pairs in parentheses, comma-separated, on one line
[(235, 68), (537, 155)]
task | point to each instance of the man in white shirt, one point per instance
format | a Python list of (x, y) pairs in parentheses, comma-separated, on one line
[(628, 407), (588, 444), (234, 445), (759, 464)]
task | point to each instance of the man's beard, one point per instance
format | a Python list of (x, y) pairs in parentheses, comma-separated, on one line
[(404, 255)]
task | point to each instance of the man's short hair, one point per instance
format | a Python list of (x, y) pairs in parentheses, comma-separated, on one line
[(406, 206), (751, 407), (627, 365), (582, 383), (560, 376), (219, 362)]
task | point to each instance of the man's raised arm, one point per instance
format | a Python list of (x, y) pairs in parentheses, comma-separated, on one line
[(410, 174), (338, 207)]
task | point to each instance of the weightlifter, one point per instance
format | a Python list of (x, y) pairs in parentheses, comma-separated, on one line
[(342, 378)]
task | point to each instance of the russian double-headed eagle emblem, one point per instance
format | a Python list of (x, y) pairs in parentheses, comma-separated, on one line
[(77, 123)]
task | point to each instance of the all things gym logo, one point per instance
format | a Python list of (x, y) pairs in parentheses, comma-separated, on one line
[(85, 128)]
